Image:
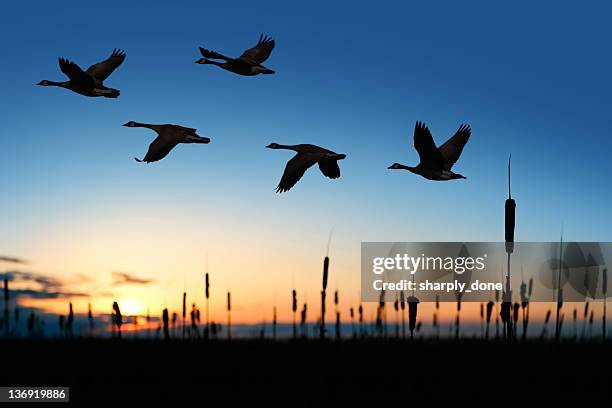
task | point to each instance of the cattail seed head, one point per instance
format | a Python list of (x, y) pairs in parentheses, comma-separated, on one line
[(336, 297), (325, 271), (294, 301), (586, 310), (229, 302), (184, 305), (517, 307), (207, 286), (547, 318), (402, 303), (489, 310)]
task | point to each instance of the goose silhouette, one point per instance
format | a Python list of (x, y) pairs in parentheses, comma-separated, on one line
[(248, 64), (307, 155), (90, 82), (168, 136), (436, 162)]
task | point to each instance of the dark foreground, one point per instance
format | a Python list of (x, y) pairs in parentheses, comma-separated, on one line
[(311, 373)]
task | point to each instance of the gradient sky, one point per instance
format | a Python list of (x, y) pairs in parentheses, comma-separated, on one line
[(531, 79)]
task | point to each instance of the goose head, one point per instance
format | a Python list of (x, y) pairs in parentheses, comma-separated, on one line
[(44, 82), (395, 166), (273, 146), (202, 61), (131, 123), (340, 156)]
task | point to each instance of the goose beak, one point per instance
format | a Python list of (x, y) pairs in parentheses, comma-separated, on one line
[(341, 156), (126, 124)]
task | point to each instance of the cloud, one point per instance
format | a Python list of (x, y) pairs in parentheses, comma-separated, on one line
[(37, 286), (122, 278), (12, 259)]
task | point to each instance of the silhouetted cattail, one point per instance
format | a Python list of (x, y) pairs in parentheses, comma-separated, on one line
[(165, 323), (545, 326), (294, 310), (413, 303), (604, 286), (482, 319), (229, 315), (303, 318), (352, 315), (274, 323), (117, 318), (585, 317), (70, 320), (31, 324), (490, 305), (336, 300), (397, 324), (90, 318), (403, 306), (184, 312), (325, 275), (5, 313), (207, 294), (515, 315)]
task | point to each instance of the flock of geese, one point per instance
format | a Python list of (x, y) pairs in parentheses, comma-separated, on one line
[(435, 162)]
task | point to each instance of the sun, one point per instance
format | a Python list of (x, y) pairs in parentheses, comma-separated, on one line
[(131, 307)]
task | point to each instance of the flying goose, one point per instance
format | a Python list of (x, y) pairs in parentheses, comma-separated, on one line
[(248, 64), (306, 156), (168, 136), (90, 82), (436, 162)]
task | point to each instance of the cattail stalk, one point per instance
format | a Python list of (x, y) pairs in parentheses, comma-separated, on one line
[(323, 294), (117, 318), (294, 310), (604, 285), (490, 305), (413, 304), (207, 293), (337, 315), (229, 316), (403, 307), (510, 222), (274, 323), (184, 312), (165, 323)]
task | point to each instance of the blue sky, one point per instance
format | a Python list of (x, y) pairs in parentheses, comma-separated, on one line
[(531, 79)]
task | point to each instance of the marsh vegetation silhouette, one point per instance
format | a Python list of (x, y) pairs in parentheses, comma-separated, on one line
[(89, 82), (307, 155), (247, 64), (436, 162), (168, 136)]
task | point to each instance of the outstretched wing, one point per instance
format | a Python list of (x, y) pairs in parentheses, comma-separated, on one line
[(212, 54), (75, 73), (295, 169), (329, 168), (103, 69), (260, 52), (159, 148), (452, 148), (423, 143)]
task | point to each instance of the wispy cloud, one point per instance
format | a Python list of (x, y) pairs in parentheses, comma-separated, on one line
[(38, 286), (122, 278), (12, 259)]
